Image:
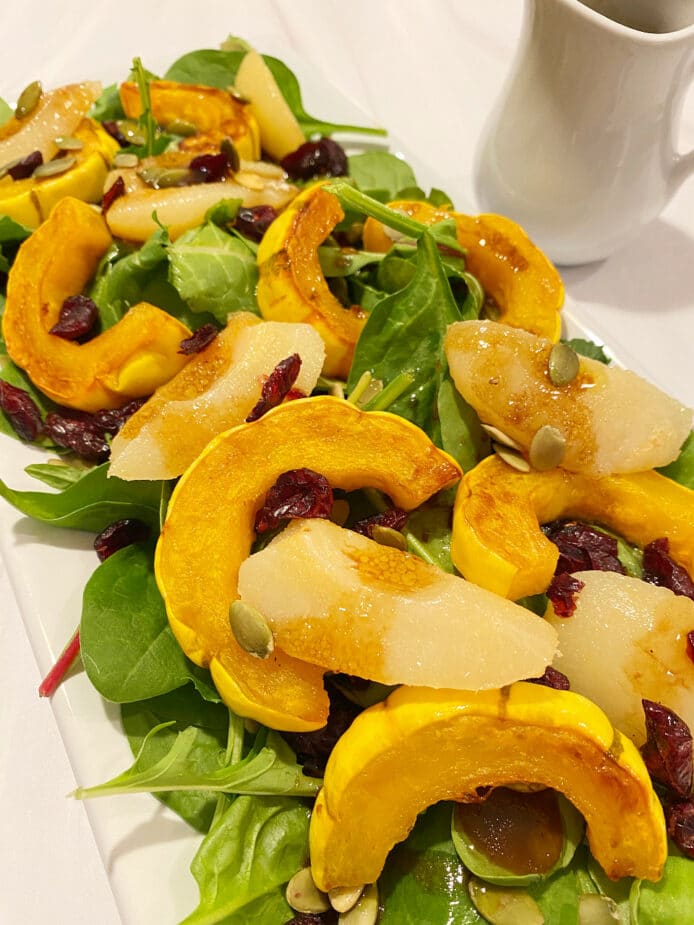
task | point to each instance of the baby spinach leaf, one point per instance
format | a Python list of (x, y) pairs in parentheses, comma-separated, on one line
[(6, 111), (682, 469), (670, 901), (108, 106), (92, 503), (56, 474), (128, 649), (428, 531), (250, 852), (424, 880), (184, 709), (213, 271), (380, 174)]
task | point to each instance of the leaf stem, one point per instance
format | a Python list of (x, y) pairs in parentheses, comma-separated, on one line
[(64, 662), (391, 392)]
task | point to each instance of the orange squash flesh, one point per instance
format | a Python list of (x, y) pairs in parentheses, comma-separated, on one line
[(209, 531), (291, 284), (524, 285), (497, 541), (422, 746), (129, 360)]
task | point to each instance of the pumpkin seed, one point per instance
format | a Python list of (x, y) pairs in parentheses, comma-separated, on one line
[(250, 629), (229, 148), (181, 127), (343, 898), (303, 895), (132, 132), (547, 448), (562, 364), (28, 99), (500, 437), (364, 911), (69, 143), (387, 536), (124, 159), (176, 176), (57, 166), (504, 905), (511, 458), (594, 909)]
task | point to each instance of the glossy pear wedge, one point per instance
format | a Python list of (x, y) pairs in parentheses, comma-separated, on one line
[(338, 599), (611, 420), (421, 746), (208, 533)]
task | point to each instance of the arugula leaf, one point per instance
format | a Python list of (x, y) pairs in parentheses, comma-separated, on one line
[(587, 348), (91, 504), (214, 271), (128, 649), (182, 709), (218, 68), (424, 880), (251, 851)]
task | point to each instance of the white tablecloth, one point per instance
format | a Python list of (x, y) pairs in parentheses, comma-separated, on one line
[(428, 71)]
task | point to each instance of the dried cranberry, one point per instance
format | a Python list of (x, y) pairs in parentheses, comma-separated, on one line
[(313, 748), (297, 493), (667, 751), (198, 340), (562, 593), (680, 825), (114, 130), (276, 386), (659, 568), (110, 420), (115, 191), (315, 158), (582, 547), (253, 222), (552, 678), (314, 918), (211, 167), (78, 433), (394, 517), (690, 645), (118, 535), (26, 166), (78, 316), (21, 410)]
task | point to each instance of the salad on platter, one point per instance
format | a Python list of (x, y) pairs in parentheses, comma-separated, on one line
[(392, 576)]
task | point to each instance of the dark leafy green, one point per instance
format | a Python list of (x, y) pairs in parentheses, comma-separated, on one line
[(670, 901), (682, 469), (381, 174), (56, 475), (588, 348), (91, 503), (251, 851), (128, 649), (6, 111)]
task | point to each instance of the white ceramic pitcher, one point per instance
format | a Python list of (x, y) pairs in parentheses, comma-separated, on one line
[(581, 148)]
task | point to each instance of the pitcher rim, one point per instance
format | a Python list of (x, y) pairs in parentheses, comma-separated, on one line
[(628, 31)]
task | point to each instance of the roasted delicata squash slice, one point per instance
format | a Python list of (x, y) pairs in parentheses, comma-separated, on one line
[(214, 114), (350, 604), (525, 289), (559, 407), (129, 360), (422, 746), (208, 533), (291, 284), (496, 538)]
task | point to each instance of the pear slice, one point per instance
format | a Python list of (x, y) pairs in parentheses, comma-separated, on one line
[(610, 419), (337, 599)]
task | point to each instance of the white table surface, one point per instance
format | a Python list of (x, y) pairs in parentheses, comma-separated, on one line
[(427, 70)]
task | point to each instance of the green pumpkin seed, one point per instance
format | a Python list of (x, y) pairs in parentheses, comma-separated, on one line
[(504, 905), (563, 364), (498, 436), (303, 895), (229, 148), (365, 910), (176, 176), (124, 159), (344, 898), (28, 100), (69, 143), (181, 127), (511, 458), (594, 909), (251, 630), (387, 536), (547, 448), (132, 132), (57, 166)]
